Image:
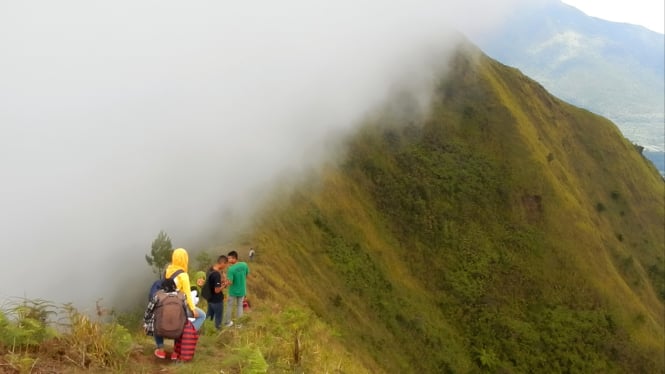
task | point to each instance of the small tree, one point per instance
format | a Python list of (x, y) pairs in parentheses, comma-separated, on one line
[(160, 253), (203, 260)]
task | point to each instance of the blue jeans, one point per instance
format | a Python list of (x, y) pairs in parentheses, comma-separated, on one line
[(198, 322), (216, 311), (159, 341), (230, 303)]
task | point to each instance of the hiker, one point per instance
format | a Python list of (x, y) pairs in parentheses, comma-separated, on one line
[(215, 283), (251, 254), (236, 276), (179, 261), (199, 280), (164, 309)]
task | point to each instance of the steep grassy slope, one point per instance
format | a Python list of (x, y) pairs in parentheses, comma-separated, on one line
[(504, 230)]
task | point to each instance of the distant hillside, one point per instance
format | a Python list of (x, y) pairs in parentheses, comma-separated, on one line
[(614, 69), (502, 231)]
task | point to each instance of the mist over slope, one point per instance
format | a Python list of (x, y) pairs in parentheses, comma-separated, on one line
[(126, 118), (499, 229)]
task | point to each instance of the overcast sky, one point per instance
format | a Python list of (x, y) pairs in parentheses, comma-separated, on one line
[(647, 13)]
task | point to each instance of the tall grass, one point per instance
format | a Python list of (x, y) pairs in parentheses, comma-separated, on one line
[(36, 335)]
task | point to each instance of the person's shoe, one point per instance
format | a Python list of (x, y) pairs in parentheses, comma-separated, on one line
[(229, 324), (174, 356), (159, 352)]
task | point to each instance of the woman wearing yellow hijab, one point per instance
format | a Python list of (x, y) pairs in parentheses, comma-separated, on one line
[(179, 261)]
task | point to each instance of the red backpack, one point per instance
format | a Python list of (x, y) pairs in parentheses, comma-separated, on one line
[(186, 345)]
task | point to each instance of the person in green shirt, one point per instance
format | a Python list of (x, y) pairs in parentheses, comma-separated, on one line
[(236, 275)]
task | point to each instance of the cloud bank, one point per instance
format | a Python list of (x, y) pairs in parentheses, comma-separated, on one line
[(120, 119)]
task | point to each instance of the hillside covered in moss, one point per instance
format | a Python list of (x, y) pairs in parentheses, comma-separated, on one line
[(504, 230)]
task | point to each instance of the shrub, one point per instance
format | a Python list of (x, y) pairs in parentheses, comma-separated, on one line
[(247, 359), (92, 344), (26, 325)]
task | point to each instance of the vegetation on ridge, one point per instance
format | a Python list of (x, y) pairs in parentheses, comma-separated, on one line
[(474, 234), (501, 231)]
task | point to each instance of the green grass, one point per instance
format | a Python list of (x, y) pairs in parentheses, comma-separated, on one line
[(272, 338)]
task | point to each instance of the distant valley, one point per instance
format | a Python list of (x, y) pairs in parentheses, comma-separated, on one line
[(613, 69)]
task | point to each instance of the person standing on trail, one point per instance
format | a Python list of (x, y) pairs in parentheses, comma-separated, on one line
[(236, 276), (216, 283), (179, 261)]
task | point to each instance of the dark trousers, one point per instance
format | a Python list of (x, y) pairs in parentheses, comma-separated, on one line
[(216, 311)]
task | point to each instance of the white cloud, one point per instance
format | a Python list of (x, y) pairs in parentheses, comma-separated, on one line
[(647, 13), (122, 118)]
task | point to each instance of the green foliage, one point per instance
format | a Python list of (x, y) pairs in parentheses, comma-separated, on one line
[(93, 344), (160, 253), (203, 260), (20, 363), (656, 273), (28, 327), (247, 360), (471, 234), (487, 359), (132, 320), (28, 342), (556, 339), (355, 266), (288, 340)]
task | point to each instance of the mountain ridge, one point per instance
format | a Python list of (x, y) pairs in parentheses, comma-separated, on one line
[(514, 212)]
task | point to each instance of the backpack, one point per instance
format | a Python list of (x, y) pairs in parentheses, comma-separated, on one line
[(168, 284), (206, 292), (163, 284), (185, 346), (170, 312)]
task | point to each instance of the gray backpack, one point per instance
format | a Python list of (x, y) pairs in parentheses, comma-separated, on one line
[(170, 314)]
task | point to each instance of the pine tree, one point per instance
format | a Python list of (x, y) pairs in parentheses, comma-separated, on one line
[(160, 253)]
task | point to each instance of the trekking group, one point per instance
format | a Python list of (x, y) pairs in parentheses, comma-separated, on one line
[(172, 311)]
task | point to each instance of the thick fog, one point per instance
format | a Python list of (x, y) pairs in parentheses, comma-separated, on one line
[(119, 119)]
